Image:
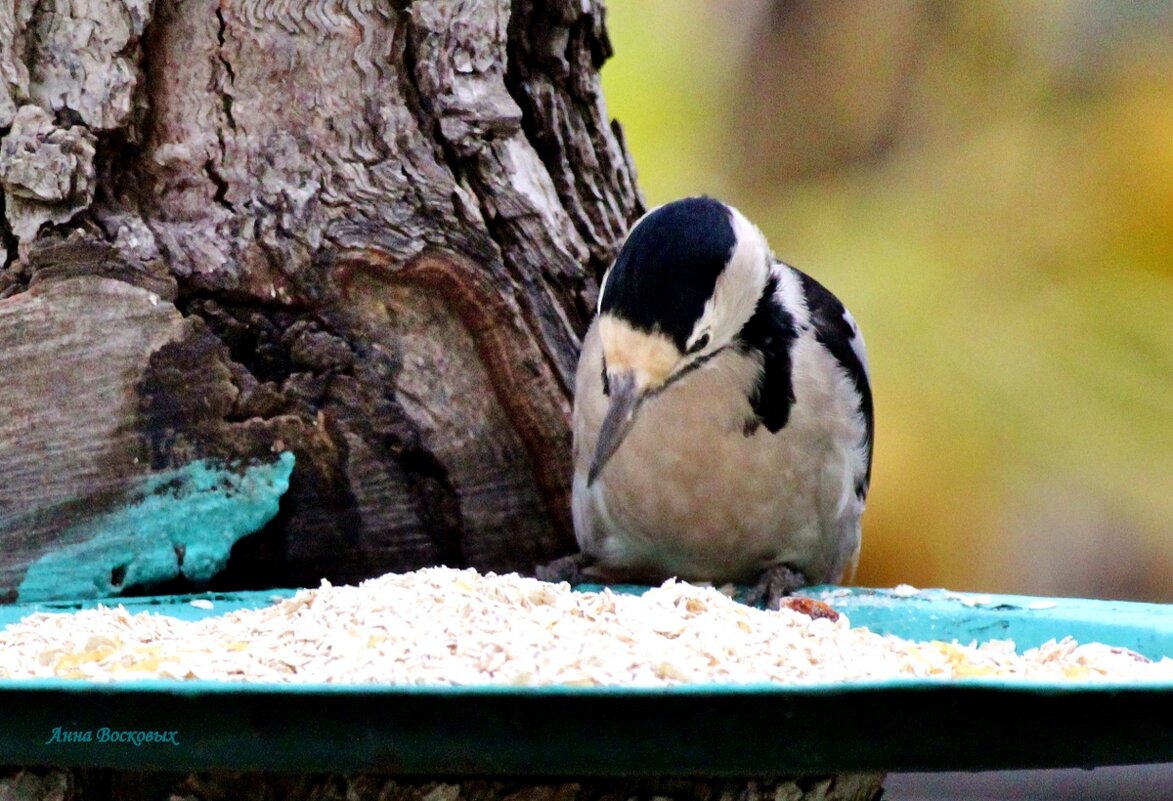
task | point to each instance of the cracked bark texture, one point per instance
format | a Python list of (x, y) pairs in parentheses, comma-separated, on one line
[(366, 232)]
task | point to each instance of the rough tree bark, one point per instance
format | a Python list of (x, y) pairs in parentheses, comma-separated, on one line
[(366, 233)]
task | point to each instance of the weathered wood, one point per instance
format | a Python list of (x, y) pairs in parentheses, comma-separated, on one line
[(77, 785), (71, 353), (87, 508), (374, 232)]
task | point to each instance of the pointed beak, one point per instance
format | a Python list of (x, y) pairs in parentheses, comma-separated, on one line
[(625, 402)]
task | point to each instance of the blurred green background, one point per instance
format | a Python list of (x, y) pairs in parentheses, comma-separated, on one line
[(989, 188)]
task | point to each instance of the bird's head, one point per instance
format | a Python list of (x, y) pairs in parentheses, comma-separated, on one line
[(685, 283)]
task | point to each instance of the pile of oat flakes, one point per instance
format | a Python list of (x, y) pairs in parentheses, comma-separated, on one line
[(455, 627)]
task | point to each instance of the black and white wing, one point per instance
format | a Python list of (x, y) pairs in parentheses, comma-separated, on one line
[(837, 331)]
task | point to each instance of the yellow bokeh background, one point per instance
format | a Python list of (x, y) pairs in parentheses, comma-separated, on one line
[(989, 188)]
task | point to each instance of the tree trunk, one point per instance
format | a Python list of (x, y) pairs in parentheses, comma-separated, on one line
[(367, 234)]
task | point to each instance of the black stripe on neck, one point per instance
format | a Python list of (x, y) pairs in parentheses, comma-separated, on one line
[(770, 332)]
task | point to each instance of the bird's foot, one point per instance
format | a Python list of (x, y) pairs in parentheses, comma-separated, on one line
[(571, 569), (776, 583)]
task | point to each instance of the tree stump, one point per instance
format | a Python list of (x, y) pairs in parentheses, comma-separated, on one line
[(365, 234)]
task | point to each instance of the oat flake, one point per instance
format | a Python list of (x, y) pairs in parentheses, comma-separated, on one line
[(441, 626)]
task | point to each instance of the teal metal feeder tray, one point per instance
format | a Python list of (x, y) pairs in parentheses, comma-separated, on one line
[(696, 730)]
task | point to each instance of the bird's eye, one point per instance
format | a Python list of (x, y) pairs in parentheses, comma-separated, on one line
[(699, 345)]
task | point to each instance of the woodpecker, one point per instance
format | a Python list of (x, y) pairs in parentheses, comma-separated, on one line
[(723, 418)]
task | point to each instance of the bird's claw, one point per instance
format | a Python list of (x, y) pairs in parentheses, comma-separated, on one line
[(571, 569), (776, 583)]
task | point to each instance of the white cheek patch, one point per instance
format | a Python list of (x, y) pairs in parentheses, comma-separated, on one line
[(739, 286), (792, 294)]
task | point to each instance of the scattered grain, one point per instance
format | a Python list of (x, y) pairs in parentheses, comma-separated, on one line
[(443, 627)]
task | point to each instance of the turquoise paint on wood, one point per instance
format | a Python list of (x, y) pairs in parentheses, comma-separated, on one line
[(200, 510)]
